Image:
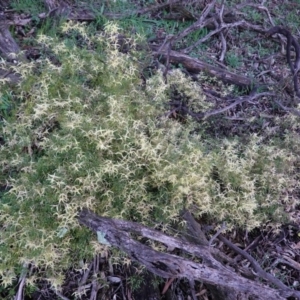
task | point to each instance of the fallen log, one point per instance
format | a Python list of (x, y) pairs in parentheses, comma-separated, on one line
[(210, 271), (197, 66)]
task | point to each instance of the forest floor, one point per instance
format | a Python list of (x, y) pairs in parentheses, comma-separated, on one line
[(230, 45)]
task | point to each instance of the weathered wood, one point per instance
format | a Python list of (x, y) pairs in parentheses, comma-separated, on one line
[(210, 271), (197, 236), (196, 66), (9, 49)]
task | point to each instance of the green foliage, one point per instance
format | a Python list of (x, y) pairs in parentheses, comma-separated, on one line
[(233, 60), (33, 7), (135, 282), (118, 6), (6, 104), (89, 133)]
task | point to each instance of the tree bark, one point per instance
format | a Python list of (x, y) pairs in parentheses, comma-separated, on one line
[(9, 49), (197, 236), (210, 271), (196, 66)]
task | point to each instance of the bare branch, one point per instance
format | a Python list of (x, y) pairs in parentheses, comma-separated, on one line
[(200, 23), (240, 100), (257, 268), (293, 111), (230, 25), (197, 66)]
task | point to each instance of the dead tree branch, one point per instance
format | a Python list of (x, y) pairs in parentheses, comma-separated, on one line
[(291, 41), (200, 23), (239, 100), (257, 268), (196, 66), (117, 233), (217, 30)]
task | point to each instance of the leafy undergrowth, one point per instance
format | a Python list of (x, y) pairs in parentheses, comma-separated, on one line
[(89, 132)]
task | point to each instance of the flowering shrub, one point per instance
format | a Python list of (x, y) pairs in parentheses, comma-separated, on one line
[(90, 134)]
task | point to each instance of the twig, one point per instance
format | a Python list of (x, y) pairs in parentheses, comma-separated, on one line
[(222, 11), (255, 265), (167, 46), (223, 227), (239, 100), (291, 41), (22, 281), (19, 295), (259, 7), (200, 23), (180, 107), (285, 262), (196, 235), (230, 25), (223, 40), (60, 295), (207, 10), (224, 47), (293, 111), (85, 275), (95, 284), (167, 285)]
